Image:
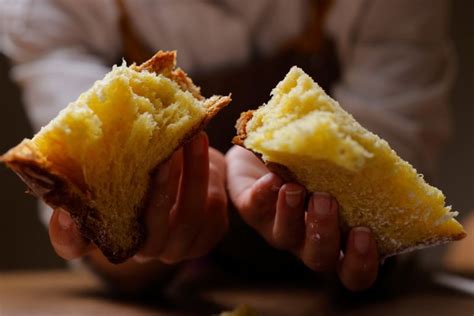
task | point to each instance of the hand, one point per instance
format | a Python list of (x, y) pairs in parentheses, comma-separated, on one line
[(275, 209), (186, 215)]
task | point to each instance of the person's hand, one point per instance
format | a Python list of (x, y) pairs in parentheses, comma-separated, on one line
[(276, 210), (186, 215)]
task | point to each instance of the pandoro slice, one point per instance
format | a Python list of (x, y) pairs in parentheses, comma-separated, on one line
[(305, 136), (96, 158)]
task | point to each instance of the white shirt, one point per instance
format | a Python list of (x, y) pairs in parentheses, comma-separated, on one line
[(396, 56)]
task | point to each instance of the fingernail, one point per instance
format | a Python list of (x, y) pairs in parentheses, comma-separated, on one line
[(270, 178), (64, 220), (362, 240), (321, 203), (198, 145), (293, 198)]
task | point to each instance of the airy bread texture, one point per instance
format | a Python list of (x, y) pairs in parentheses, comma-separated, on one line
[(305, 136), (96, 158)]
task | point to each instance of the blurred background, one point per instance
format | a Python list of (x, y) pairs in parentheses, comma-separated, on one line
[(24, 242)]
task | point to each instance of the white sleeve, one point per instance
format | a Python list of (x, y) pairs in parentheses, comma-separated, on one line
[(58, 49), (397, 74), (54, 80)]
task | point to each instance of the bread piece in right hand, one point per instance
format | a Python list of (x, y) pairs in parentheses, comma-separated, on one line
[(305, 136)]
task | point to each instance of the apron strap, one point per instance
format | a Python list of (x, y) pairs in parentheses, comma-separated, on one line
[(312, 39)]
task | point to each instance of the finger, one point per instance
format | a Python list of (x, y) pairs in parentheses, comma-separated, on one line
[(216, 221), (210, 235), (322, 242), (164, 192), (186, 217), (257, 205), (65, 237), (359, 266), (289, 226), (215, 217), (243, 156), (244, 168)]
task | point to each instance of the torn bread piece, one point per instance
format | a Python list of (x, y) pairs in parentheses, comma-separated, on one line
[(305, 136), (96, 158)]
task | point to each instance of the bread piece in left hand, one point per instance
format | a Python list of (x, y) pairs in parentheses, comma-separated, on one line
[(96, 158)]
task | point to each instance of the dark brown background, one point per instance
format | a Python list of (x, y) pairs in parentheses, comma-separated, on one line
[(24, 241)]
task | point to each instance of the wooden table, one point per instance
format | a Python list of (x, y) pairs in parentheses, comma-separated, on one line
[(79, 293)]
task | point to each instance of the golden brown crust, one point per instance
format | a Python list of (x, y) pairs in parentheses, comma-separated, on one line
[(164, 63), (241, 127), (288, 176), (57, 190), (422, 244), (160, 63)]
